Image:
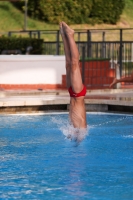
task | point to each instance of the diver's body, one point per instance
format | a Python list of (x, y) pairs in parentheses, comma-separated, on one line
[(77, 90)]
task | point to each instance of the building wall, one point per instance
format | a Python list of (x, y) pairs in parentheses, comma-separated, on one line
[(31, 71)]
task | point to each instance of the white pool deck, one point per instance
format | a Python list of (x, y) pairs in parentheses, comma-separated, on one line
[(95, 100)]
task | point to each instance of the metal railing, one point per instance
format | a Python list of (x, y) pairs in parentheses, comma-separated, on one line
[(113, 44), (80, 34)]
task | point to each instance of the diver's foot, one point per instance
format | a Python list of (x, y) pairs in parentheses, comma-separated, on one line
[(61, 29), (67, 29), (113, 83)]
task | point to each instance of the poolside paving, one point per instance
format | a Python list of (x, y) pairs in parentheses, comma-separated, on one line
[(15, 101)]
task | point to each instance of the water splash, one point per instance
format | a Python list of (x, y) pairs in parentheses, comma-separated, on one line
[(73, 134)]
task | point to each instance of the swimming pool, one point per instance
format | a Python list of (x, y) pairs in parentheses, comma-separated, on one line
[(39, 162)]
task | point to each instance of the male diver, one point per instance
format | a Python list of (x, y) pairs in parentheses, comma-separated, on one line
[(77, 90)]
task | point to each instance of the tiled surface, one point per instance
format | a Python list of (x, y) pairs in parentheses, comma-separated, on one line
[(30, 86), (53, 97)]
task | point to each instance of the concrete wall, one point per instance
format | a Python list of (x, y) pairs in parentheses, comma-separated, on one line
[(31, 70)]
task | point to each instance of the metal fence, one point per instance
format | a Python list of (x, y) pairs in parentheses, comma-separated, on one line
[(117, 52), (113, 44)]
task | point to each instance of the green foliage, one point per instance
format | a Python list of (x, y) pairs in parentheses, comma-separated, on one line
[(14, 43), (128, 67), (104, 11), (75, 11), (128, 10), (54, 11)]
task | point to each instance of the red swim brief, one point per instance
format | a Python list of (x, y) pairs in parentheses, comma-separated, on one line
[(73, 94)]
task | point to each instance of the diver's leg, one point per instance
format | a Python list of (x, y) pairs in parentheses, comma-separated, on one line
[(123, 79), (67, 55), (75, 74)]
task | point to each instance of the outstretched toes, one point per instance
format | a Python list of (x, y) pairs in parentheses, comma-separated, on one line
[(67, 29), (61, 29)]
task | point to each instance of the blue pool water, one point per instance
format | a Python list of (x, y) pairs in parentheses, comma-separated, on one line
[(37, 161)]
